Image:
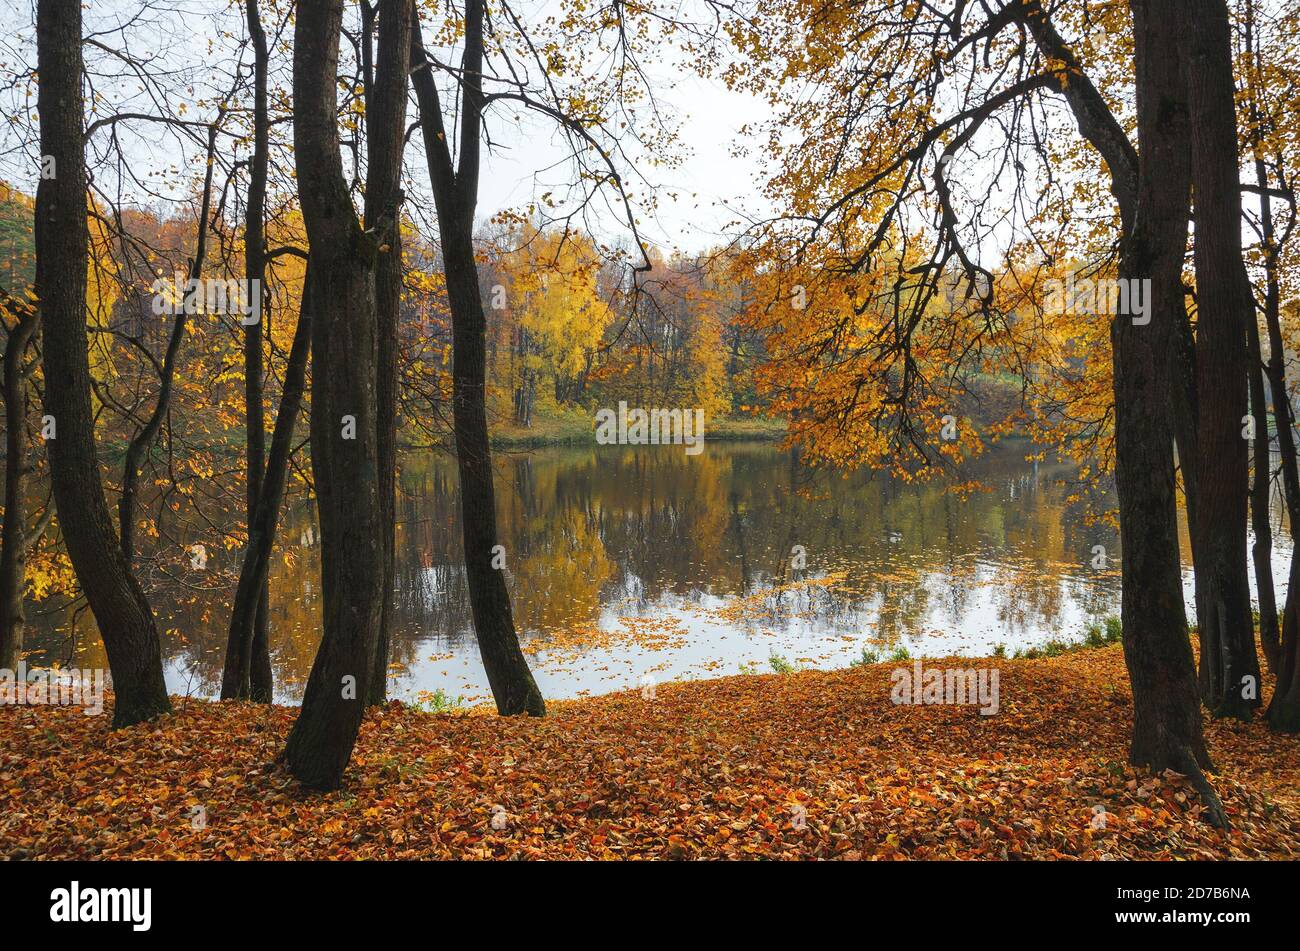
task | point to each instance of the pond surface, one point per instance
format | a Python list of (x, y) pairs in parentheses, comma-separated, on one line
[(632, 564)]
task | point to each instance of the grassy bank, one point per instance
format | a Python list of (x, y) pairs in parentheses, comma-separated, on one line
[(576, 428), (810, 764)]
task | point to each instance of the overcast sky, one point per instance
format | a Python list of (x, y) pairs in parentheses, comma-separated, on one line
[(711, 186), (696, 200)]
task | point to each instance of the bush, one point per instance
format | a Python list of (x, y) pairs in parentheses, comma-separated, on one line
[(868, 656), (780, 664), (437, 701)]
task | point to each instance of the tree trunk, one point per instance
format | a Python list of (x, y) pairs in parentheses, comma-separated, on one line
[(512, 682), (1166, 715), (1284, 709), (240, 679), (1229, 675), (121, 611), (343, 433), (257, 668), (1261, 551), (386, 134), (456, 194), (13, 536)]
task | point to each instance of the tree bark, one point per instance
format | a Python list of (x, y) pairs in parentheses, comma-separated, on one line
[(1261, 552), (1229, 674), (456, 195), (121, 611), (343, 416), (1166, 714), (1284, 709), (386, 135), (257, 669), (13, 535)]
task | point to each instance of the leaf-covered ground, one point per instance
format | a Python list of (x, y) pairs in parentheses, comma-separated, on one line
[(804, 765)]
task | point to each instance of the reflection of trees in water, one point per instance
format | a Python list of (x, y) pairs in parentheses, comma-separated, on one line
[(599, 526), (430, 571)]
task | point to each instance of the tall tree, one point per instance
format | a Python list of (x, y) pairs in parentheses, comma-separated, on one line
[(886, 110), (1261, 491), (1265, 108), (1167, 730), (1284, 708), (125, 620), (1229, 675), (344, 441), (13, 535), (455, 191), (257, 669), (386, 138)]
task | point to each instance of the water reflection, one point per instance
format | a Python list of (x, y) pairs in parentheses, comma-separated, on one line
[(627, 561)]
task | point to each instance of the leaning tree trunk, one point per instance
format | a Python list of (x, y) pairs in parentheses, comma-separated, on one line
[(121, 611), (512, 682), (1261, 551), (1152, 194), (13, 536), (386, 134), (1166, 713), (1284, 708), (255, 663), (241, 679), (1229, 676), (456, 195), (343, 434)]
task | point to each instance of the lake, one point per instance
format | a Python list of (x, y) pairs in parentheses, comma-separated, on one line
[(631, 565)]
